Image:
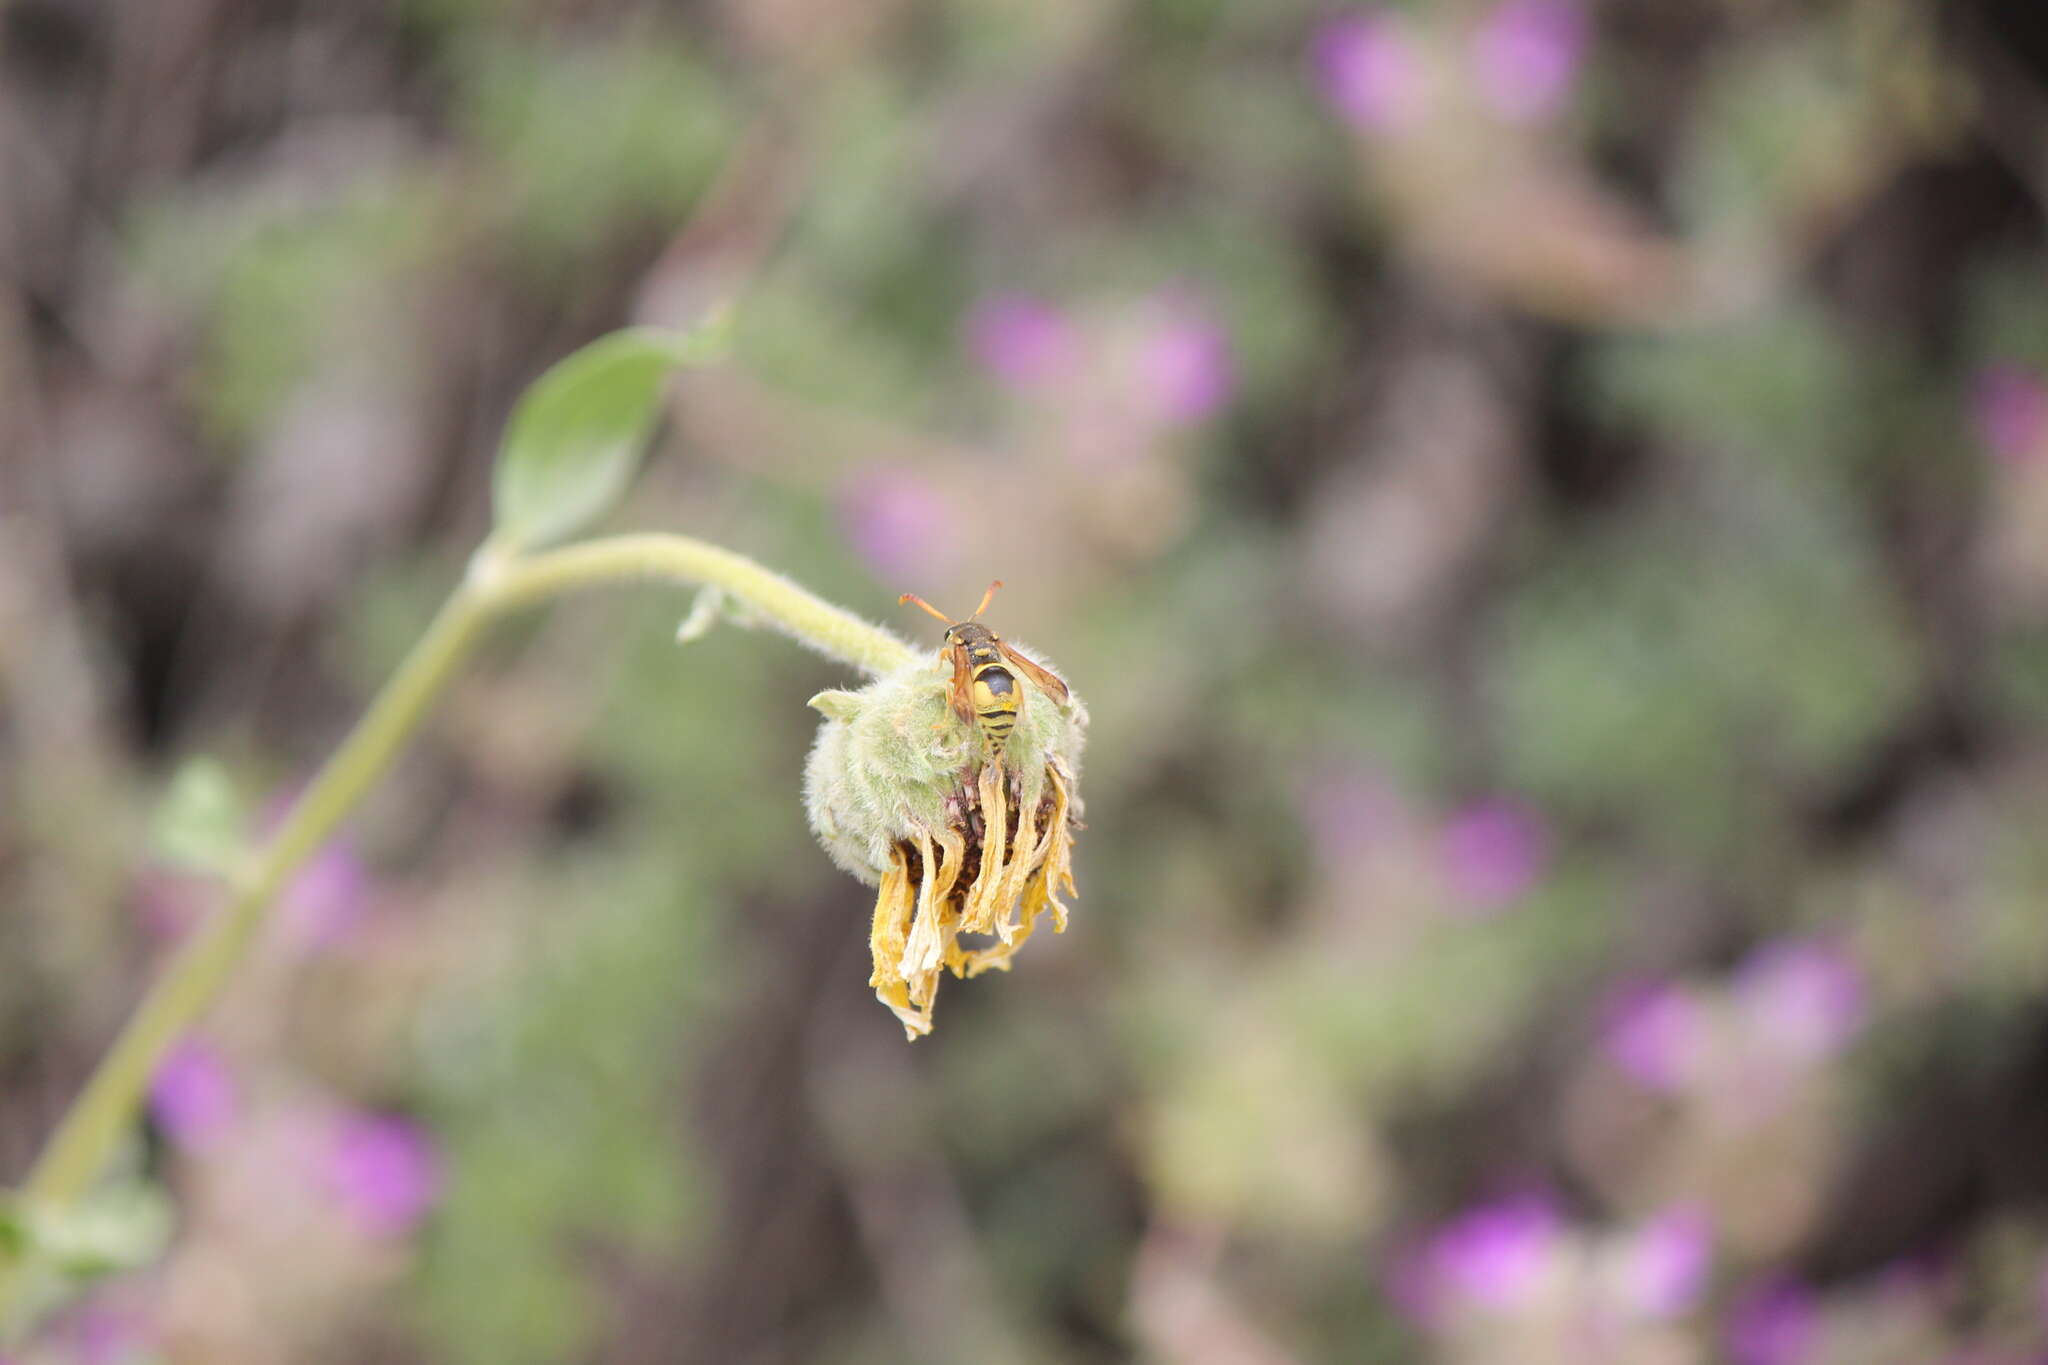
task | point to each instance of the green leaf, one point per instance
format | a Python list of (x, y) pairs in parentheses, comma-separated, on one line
[(577, 435), (201, 823), (121, 1227), (13, 1230)]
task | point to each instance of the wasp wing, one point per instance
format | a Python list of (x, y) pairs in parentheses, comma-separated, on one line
[(1048, 681), (961, 692)]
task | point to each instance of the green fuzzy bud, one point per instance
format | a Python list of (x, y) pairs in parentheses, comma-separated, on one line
[(903, 794), (889, 756)]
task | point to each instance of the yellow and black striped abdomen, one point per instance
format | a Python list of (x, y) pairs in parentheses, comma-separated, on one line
[(995, 705)]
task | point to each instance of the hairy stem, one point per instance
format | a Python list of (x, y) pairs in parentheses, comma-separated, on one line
[(767, 595), (497, 585)]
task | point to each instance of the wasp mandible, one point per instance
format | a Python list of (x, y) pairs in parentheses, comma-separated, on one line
[(984, 687)]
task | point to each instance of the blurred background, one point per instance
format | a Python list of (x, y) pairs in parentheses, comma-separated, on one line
[(1547, 502)]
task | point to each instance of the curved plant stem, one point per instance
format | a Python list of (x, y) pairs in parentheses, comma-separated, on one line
[(100, 1114), (767, 595), (497, 585)]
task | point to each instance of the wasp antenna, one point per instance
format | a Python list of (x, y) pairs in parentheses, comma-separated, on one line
[(986, 598), (913, 597)]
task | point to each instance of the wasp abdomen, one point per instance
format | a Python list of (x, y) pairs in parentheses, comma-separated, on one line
[(995, 705)]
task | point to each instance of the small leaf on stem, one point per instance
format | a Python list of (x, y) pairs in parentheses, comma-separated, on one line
[(201, 823), (576, 436)]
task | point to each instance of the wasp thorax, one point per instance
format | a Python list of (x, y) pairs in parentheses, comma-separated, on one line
[(961, 837)]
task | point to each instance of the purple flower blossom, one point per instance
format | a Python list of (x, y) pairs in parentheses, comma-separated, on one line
[(111, 1336), (385, 1172), (1804, 996), (1775, 1323), (1495, 1257), (1650, 1031), (1527, 56), (1410, 1289), (328, 899), (167, 903), (1185, 365), (1347, 811), (897, 521), (2010, 409), (193, 1096), (1664, 1266), (1914, 1280), (1369, 71), (1024, 342), (1493, 853)]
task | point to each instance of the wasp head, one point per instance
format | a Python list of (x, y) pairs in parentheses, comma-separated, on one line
[(970, 633)]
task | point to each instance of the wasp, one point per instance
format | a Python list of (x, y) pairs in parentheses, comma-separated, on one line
[(984, 685)]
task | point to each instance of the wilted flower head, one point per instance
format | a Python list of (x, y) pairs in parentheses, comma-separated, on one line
[(902, 794)]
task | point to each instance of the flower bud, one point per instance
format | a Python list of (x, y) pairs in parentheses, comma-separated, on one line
[(904, 794)]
